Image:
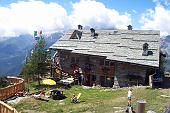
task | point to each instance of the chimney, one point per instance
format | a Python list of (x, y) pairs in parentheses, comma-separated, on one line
[(145, 49), (92, 31), (80, 27), (93, 34), (129, 27)]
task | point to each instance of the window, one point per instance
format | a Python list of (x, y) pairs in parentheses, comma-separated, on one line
[(93, 78), (145, 49), (112, 64), (106, 63), (87, 59), (101, 62), (74, 60)]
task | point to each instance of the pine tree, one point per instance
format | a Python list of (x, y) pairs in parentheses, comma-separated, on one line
[(35, 63), (4, 82)]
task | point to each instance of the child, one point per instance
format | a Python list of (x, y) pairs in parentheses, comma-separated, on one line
[(129, 96), (129, 108)]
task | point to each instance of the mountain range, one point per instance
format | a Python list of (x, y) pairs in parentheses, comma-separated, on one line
[(14, 50), (165, 46)]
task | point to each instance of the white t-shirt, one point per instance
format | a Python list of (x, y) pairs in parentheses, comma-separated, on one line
[(129, 93)]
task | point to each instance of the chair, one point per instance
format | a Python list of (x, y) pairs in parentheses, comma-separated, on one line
[(75, 99), (78, 96)]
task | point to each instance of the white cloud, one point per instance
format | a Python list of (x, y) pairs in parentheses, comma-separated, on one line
[(158, 18), (162, 2), (134, 11), (95, 14), (29, 15), (25, 17)]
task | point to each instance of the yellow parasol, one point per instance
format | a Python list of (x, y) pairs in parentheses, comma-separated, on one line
[(49, 82)]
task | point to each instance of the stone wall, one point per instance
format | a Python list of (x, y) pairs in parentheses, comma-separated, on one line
[(124, 71), (67, 59), (119, 69), (94, 75)]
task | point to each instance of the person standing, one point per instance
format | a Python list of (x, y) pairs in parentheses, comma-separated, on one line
[(82, 79), (129, 96), (75, 76), (129, 108), (80, 76)]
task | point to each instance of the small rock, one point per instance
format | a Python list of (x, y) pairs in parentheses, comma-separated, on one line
[(61, 102), (117, 107), (119, 111), (165, 96), (86, 87), (151, 111)]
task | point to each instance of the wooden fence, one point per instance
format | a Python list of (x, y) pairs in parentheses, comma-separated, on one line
[(17, 86), (5, 108)]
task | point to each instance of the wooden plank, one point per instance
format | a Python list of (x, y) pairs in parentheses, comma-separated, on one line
[(0, 109), (6, 105), (5, 108)]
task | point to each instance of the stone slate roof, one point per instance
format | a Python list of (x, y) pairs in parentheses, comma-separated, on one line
[(118, 45)]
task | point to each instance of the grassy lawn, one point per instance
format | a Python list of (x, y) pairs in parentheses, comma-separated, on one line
[(95, 100)]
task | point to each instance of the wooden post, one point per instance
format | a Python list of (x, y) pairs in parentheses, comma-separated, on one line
[(151, 81), (140, 106)]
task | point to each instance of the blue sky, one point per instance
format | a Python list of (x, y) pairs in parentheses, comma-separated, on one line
[(18, 16), (121, 5)]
